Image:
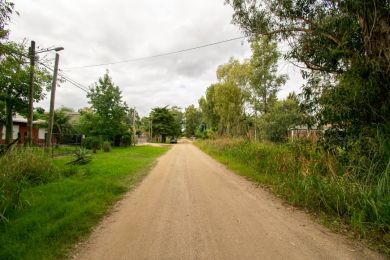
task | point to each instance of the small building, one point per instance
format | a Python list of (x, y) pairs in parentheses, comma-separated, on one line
[(74, 117), (303, 132), (19, 130)]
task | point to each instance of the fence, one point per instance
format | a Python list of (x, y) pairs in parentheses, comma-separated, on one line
[(64, 144)]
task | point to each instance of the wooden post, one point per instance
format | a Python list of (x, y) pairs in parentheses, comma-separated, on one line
[(31, 95), (134, 126), (52, 101)]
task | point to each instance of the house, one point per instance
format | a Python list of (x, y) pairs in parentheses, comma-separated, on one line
[(74, 117), (19, 128)]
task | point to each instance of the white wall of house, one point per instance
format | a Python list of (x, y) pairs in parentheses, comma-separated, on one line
[(15, 132), (41, 133)]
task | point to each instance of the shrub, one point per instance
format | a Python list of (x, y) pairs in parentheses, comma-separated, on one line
[(126, 140), (92, 142), (106, 146), (82, 156), (20, 168), (2, 149)]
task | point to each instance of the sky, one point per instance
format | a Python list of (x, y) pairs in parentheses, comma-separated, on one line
[(95, 32)]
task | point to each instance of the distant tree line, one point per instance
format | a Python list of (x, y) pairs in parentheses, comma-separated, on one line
[(244, 100)]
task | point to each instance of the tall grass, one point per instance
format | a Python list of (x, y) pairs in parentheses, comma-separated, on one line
[(21, 168), (62, 211), (307, 176)]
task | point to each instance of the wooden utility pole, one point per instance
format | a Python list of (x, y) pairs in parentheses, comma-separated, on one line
[(151, 130), (52, 101), (134, 126), (31, 95), (255, 121)]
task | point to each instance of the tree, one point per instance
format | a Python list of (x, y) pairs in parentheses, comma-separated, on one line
[(281, 116), (229, 101), (6, 10), (108, 109), (178, 119), (264, 79), (192, 120), (234, 72), (14, 80), (163, 122), (223, 106), (344, 46), (207, 107), (87, 124), (231, 94), (346, 39), (61, 122)]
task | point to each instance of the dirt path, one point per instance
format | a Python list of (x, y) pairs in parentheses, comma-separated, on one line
[(191, 207)]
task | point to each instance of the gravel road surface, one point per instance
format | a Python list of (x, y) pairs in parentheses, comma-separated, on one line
[(192, 207)]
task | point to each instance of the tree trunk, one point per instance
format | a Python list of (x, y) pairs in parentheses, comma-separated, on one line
[(377, 38), (8, 123)]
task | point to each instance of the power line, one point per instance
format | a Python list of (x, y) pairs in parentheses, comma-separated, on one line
[(62, 75), (155, 56), (66, 78), (74, 83)]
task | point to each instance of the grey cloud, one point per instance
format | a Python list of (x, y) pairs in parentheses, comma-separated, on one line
[(95, 32)]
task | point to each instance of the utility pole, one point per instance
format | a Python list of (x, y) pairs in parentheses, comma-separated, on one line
[(150, 127), (255, 121), (31, 94), (134, 125), (52, 101)]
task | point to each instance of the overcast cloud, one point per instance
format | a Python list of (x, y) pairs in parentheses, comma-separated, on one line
[(94, 32)]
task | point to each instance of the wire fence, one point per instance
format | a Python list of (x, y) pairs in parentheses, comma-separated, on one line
[(65, 144)]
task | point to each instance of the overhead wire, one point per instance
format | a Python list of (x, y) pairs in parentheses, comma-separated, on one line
[(155, 56), (85, 89), (66, 78)]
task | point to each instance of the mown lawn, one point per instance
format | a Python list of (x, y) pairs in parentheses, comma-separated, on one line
[(62, 212)]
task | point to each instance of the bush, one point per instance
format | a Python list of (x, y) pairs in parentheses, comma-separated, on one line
[(20, 168), (82, 156), (92, 143), (106, 146), (2, 149), (126, 140)]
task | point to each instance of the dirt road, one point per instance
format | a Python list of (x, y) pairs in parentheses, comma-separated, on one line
[(191, 207)]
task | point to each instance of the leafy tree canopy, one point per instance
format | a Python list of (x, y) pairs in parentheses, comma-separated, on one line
[(348, 39), (264, 78), (178, 118), (108, 109), (14, 82), (6, 10), (192, 120), (163, 122), (283, 115)]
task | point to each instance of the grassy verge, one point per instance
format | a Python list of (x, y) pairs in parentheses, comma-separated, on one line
[(312, 179), (63, 211)]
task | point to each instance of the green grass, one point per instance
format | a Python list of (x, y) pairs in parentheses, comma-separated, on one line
[(308, 177), (61, 150), (62, 212)]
